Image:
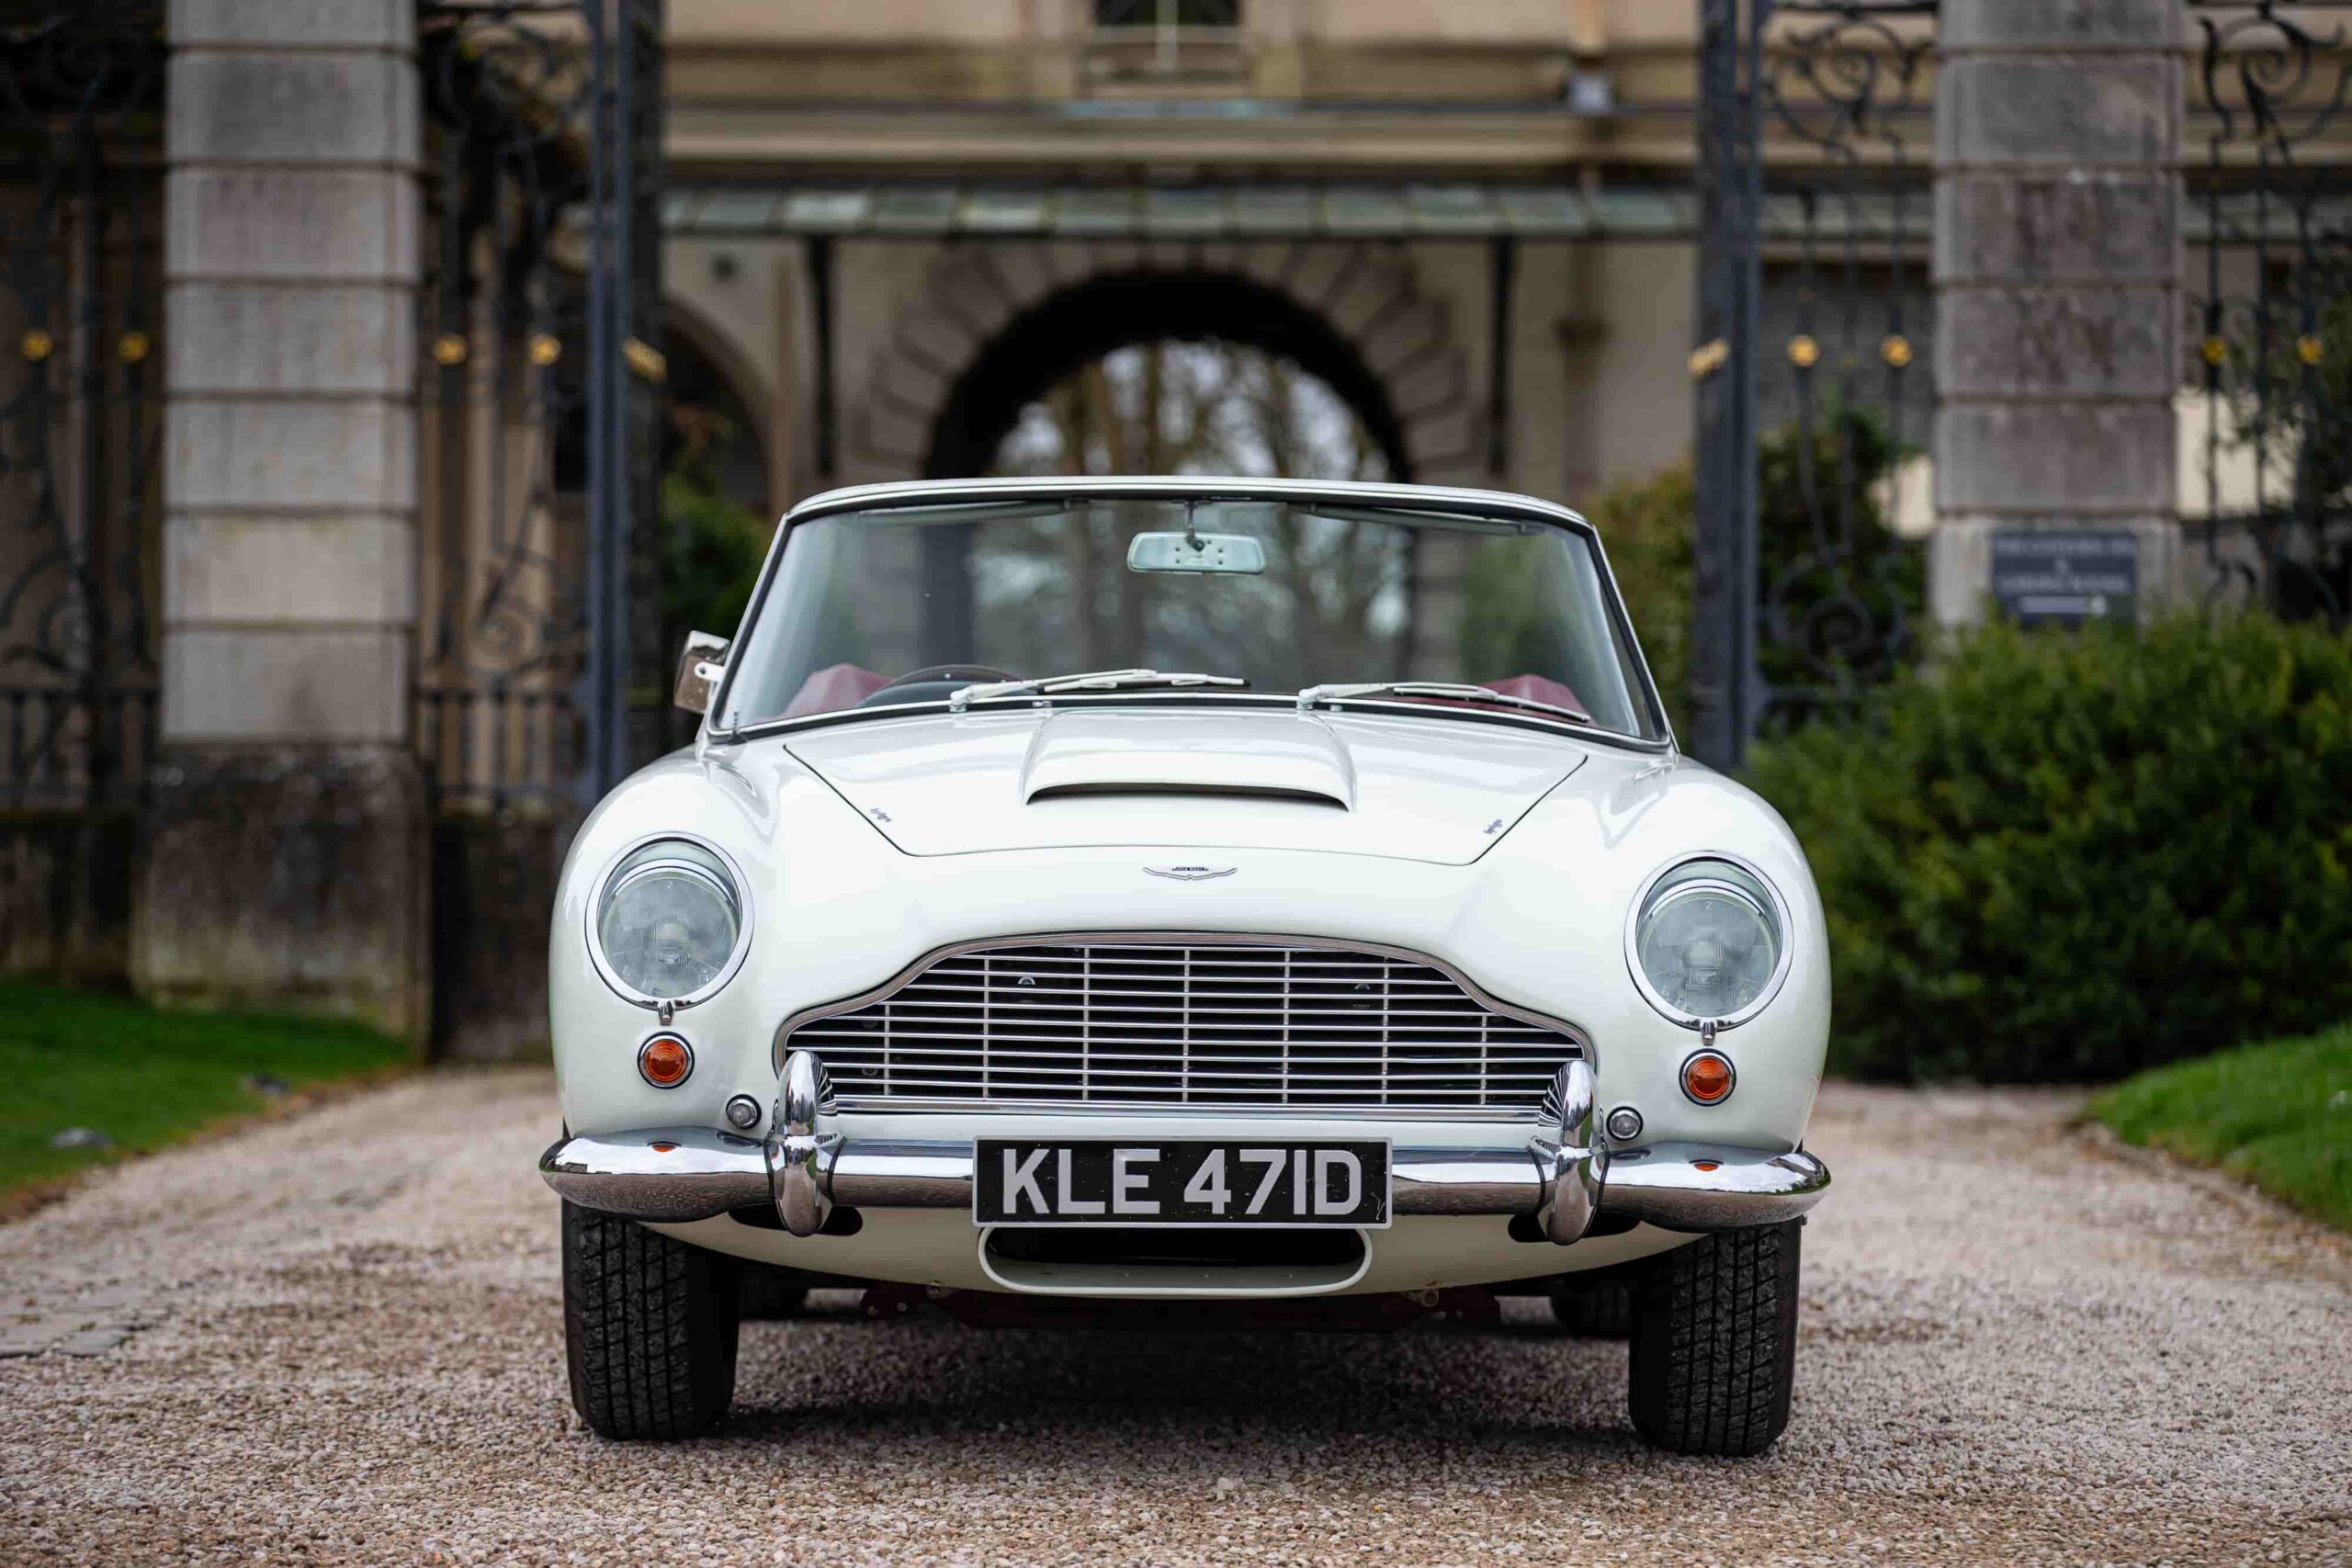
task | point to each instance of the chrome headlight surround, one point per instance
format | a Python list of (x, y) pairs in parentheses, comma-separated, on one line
[(1751, 888), (728, 883)]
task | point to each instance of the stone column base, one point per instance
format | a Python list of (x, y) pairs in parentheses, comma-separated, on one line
[(290, 878)]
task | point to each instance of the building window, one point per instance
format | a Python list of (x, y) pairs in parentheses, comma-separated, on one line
[(1167, 14), (1165, 39)]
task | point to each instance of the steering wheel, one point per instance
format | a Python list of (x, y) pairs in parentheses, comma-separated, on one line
[(945, 678)]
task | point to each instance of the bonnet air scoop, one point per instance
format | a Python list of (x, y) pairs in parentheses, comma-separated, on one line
[(1010, 779), (1082, 753), (1229, 791)]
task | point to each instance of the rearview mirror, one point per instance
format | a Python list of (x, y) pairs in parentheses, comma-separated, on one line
[(699, 668), (1190, 551)]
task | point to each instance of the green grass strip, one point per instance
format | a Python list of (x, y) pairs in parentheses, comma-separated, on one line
[(146, 1078), (2278, 1114)]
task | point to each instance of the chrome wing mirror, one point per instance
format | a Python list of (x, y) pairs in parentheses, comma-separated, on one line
[(699, 668)]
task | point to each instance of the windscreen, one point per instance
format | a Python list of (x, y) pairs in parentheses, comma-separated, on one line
[(871, 609)]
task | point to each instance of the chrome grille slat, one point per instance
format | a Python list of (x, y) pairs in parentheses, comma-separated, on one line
[(1133, 1094), (1442, 1027), (1207, 1067), (1176, 1023)]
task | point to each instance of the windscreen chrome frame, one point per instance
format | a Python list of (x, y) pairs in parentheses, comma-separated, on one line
[(1428, 500)]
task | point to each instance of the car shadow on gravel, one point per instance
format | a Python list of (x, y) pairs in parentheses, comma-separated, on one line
[(1501, 1385)]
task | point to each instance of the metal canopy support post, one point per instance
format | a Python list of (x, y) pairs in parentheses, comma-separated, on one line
[(1724, 679)]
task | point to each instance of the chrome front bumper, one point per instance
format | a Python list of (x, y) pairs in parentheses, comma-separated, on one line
[(1563, 1176)]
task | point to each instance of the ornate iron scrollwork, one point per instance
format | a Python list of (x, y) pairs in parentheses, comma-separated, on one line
[(1842, 597), (1811, 407), (499, 319), (2273, 307), (524, 97), (81, 99)]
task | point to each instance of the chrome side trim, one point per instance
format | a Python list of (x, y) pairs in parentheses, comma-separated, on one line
[(1426, 1180), (1705, 1186), (662, 1173), (915, 970)]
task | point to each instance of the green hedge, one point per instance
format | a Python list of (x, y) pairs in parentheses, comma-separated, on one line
[(2071, 856)]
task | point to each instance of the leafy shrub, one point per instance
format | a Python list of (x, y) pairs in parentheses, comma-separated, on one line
[(2068, 857), (711, 551)]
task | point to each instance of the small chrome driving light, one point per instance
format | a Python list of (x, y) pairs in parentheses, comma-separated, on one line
[(743, 1113), (1624, 1124)]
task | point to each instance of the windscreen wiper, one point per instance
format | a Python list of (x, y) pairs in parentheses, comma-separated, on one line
[(1448, 690), (1097, 681)]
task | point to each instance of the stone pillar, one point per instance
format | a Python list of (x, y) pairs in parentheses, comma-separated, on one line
[(285, 862), (2057, 268)]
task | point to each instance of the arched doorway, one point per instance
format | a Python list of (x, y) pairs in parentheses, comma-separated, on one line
[(1150, 372), (987, 326)]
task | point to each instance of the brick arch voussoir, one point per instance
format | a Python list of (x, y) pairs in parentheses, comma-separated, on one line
[(1368, 291)]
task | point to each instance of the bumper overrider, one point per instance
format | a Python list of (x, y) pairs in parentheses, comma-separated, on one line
[(1563, 1176)]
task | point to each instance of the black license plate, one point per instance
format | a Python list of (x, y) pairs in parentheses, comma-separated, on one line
[(1178, 1181)]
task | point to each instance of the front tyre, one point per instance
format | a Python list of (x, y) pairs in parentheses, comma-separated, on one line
[(648, 1327), (1714, 1342)]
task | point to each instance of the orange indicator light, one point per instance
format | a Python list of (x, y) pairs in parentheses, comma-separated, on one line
[(1707, 1077), (665, 1061)]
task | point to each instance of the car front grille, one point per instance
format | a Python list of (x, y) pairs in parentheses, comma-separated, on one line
[(1183, 1022)]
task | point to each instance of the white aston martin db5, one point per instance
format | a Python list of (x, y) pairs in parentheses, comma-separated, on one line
[(1210, 904)]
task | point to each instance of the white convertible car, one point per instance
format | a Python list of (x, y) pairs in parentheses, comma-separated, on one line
[(1203, 903)]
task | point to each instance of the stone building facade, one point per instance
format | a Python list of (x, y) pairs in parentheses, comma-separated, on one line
[(331, 692)]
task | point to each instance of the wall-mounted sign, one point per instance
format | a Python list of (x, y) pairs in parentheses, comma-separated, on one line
[(2065, 575)]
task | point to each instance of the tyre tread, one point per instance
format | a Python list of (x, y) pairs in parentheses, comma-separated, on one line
[(650, 1327), (1714, 1342)]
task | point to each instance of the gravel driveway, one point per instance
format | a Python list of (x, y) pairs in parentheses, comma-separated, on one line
[(337, 1337)]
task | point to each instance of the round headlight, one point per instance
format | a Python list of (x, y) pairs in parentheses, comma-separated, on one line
[(671, 925), (1709, 942)]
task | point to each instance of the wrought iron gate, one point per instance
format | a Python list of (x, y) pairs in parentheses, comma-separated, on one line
[(81, 100), (537, 659), (1810, 383), (2271, 287)]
